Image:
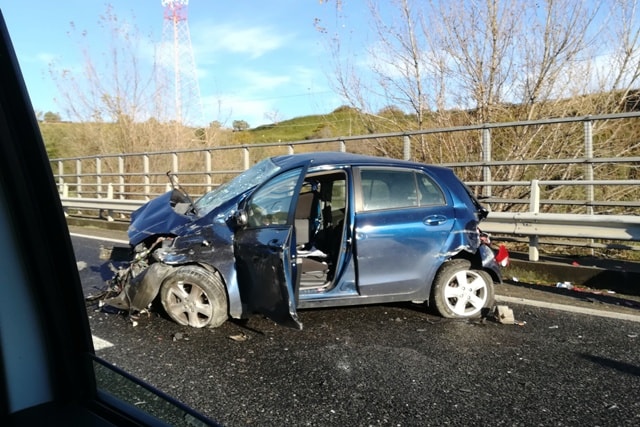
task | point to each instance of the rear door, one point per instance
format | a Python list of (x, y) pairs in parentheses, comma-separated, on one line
[(402, 222), (265, 249)]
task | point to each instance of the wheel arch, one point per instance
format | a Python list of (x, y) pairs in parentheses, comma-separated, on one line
[(478, 263), (229, 279), (441, 304)]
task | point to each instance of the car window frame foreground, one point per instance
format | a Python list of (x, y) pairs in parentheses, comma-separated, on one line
[(47, 361)]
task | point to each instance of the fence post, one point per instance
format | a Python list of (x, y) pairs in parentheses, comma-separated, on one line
[(486, 157), (60, 173), (174, 162), (121, 175), (145, 171), (534, 207), (245, 156), (207, 166), (588, 152), (98, 177), (78, 178), (406, 147)]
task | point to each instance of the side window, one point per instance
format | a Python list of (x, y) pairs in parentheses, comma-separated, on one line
[(271, 203), (430, 193), (388, 189)]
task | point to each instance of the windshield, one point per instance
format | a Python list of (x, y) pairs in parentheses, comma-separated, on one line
[(253, 176)]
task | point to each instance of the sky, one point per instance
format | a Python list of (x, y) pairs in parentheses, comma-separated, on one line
[(255, 59)]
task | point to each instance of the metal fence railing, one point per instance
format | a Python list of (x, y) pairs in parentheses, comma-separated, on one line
[(120, 182)]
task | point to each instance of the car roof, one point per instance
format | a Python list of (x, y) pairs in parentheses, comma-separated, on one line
[(342, 158)]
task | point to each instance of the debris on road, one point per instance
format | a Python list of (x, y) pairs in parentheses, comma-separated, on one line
[(240, 337), (564, 285), (504, 315)]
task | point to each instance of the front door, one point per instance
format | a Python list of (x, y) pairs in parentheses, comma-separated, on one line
[(265, 249)]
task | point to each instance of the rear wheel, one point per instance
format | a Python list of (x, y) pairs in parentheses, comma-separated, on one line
[(193, 296), (460, 291)]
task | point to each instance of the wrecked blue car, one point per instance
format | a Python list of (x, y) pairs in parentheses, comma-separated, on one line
[(306, 231)]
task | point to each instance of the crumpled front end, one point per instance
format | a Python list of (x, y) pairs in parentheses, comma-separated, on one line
[(137, 285)]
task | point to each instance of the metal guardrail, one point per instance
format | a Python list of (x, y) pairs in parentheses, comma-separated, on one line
[(105, 207), (531, 225), (576, 226)]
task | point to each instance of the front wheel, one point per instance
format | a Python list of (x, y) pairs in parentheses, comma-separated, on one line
[(193, 296), (460, 291)]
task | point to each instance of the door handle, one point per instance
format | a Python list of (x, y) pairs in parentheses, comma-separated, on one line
[(274, 245), (434, 220)]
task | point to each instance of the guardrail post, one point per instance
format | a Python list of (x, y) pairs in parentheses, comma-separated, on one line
[(534, 207), (486, 157), (406, 147), (343, 146), (290, 149)]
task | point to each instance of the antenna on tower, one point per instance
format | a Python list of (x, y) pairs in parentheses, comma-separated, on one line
[(179, 90)]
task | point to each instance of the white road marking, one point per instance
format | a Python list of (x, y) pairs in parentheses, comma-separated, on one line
[(569, 308), (99, 343), (106, 239)]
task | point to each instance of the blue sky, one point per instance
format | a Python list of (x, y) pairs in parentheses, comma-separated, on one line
[(253, 57)]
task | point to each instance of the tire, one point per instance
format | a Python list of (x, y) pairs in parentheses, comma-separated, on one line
[(462, 292), (193, 296)]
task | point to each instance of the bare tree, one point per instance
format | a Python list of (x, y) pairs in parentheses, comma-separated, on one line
[(273, 116), (114, 93), (484, 61)]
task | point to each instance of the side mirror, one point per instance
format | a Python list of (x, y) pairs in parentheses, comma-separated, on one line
[(240, 217)]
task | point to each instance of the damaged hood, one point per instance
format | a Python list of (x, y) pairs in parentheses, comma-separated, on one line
[(156, 217), (160, 216)]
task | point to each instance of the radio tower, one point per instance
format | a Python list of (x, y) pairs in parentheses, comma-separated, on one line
[(179, 91)]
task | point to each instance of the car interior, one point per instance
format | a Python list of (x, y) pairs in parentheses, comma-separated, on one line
[(319, 227), (49, 373)]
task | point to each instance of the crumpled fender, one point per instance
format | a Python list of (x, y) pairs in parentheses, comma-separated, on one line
[(489, 262), (468, 240), (142, 289)]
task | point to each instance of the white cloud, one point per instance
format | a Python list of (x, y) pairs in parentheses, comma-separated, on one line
[(227, 108), (253, 42), (46, 58), (255, 82)]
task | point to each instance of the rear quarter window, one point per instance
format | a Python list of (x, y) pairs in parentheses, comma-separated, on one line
[(398, 188)]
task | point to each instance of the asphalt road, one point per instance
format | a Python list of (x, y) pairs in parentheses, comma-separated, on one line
[(391, 365)]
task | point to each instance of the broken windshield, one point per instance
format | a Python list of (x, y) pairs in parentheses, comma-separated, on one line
[(253, 176)]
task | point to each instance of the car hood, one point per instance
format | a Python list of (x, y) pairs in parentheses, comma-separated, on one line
[(156, 217)]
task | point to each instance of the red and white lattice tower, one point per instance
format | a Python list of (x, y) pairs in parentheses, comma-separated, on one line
[(179, 90)]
